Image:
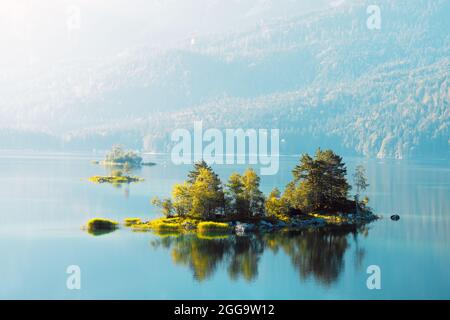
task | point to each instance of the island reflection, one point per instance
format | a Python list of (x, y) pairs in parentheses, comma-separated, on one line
[(317, 254)]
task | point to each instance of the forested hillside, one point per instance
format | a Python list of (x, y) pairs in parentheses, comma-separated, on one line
[(323, 78)]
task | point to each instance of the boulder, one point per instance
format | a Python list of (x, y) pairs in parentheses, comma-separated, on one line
[(264, 225), (242, 228), (281, 224)]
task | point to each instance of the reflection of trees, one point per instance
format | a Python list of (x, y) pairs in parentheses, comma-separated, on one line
[(314, 253), (317, 253), (359, 253), (245, 257), (203, 255), (97, 233)]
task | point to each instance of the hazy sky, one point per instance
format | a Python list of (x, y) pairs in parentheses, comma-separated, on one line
[(47, 31)]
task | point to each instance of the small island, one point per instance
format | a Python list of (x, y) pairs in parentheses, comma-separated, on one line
[(126, 161), (116, 177), (99, 226), (317, 196), (118, 157)]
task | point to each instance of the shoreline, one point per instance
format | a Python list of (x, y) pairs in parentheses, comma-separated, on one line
[(184, 225)]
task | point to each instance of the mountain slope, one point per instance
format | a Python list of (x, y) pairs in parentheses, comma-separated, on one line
[(323, 79)]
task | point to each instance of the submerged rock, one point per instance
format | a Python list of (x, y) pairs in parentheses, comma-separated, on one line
[(242, 228), (395, 217)]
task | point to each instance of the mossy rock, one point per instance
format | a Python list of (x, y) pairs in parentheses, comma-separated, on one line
[(115, 179), (98, 226), (210, 227), (132, 221)]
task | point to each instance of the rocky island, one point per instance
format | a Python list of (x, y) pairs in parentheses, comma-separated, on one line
[(317, 196), (118, 157)]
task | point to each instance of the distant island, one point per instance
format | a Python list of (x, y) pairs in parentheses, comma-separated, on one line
[(126, 160), (116, 177), (317, 196), (118, 157)]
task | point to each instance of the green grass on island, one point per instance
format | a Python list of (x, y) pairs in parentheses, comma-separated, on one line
[(115, 179), (318, 196), (131, 221), (180, 224), (213, 227)]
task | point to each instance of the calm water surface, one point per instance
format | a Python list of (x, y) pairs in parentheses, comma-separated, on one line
[(45, 198)]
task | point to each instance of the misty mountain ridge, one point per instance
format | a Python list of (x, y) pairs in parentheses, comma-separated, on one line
[(324, 79)]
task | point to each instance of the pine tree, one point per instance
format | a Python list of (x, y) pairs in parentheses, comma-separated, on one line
[(334, 183), (244, 197), (276, 205), (192, 175), (234, 198), (359, 179), (319, 182), (207, 195), (253, 197)]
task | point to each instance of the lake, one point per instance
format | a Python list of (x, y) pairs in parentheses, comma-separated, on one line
[(45, 198)]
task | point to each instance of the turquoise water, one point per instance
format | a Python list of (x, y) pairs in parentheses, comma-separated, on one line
[(45, 198)]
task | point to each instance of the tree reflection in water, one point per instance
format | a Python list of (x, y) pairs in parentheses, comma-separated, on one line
[(314, 253)]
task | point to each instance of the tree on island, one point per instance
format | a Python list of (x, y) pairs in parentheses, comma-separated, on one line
[(204, 196), (119, 156), (360, 181), (208, 198), (193, 174), (253, 197), (166, 206), (319, 184), (201, 196), (244, 198), (234, 194), (277, 206), (181, 199)]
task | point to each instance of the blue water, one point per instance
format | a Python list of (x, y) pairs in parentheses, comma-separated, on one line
[(46, 198)]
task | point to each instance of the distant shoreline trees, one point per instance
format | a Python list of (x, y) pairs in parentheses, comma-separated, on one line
[(319, 184)]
